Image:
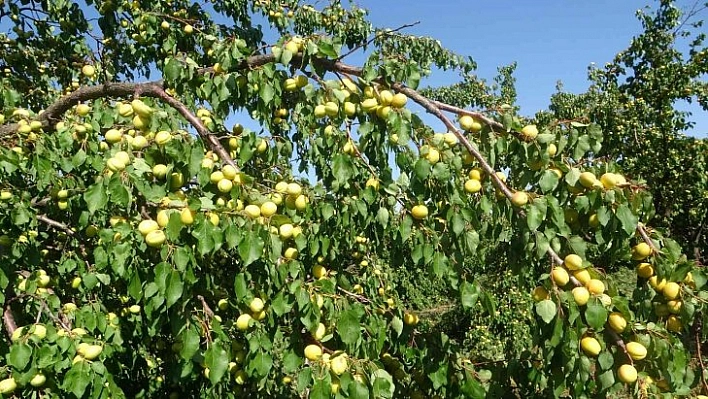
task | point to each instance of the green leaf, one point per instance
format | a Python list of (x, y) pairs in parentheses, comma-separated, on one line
[(261, 364), (96, 197), (118, 193), (251, 247), (291, 362), (232, 234), (422, 168), (240, 287), (172, 69), (321, 389), (383, 386), (20, 215), (627, 219), (473, 388), (545, 138), (606, 360), (439, 376), (217, 360), (358, 390), (327, 211), (458, 224), (535, 214), (469, 293), (77, 379), (472, 241), (405, 228), (342, 167), (267, 93), (542, 245), (280, 304), (547, 310), (348, 325), (441, 172), (596, 314), (174, 288), (19, 356), (582, 146), (548, 182), (190, 343)]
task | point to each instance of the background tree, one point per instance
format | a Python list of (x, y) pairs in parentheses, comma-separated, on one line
[(149, 250), (635, 99)]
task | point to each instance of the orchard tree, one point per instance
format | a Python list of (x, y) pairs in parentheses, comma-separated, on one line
[(150, 250)]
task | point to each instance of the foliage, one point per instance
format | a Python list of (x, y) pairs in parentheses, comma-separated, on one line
[(148, 250)]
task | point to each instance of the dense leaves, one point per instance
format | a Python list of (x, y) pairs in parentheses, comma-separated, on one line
[(265, 220)]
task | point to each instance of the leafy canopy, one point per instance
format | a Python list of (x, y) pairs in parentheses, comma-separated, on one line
[(149, 250)]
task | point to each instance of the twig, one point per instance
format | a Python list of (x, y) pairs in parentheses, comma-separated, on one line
[(692, 13), (207, 321), (699, 355), (642, 232), (52, 316), (205, 306), (376, 36), (358, 153), (619, 342), (496, 126), (358, 297), (61, 226), (436, 310)]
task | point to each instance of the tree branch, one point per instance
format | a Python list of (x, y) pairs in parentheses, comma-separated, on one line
[(8, 320), (203, 132), (376, 36), (358, 297), (643, 232), (698, 330), (496, 126), (61, 226), (156, 89)]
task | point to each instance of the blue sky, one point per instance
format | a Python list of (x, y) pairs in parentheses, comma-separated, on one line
[(551, 40)]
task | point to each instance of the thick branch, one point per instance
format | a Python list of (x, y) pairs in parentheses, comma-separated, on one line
[(54, 112), (8, 320)]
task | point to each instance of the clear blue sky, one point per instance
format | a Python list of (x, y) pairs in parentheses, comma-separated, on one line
[(551, 40)]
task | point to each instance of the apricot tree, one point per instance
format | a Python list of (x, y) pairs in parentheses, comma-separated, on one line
[(148, 249)]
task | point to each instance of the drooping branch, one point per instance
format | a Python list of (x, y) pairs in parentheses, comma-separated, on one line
[(435, 111), (203, 132), (156, 89)]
